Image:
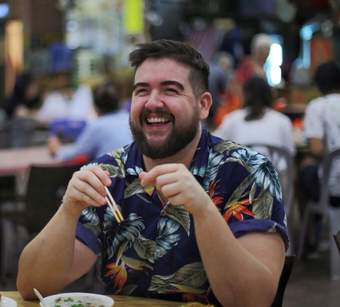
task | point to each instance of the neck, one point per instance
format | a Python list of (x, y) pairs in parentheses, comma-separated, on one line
[(183, 156)]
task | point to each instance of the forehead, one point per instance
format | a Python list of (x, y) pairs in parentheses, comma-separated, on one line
[(157, 70)]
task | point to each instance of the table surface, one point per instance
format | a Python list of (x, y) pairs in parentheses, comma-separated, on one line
[(120, 301), (17, 160)]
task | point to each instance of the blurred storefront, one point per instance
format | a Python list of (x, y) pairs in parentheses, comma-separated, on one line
[(93, 37)]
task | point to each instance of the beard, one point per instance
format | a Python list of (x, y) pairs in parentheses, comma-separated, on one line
[(177, 139)]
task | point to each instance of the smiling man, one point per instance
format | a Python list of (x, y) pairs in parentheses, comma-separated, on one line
[(203, 218)]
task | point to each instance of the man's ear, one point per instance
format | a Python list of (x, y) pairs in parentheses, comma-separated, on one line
[(205, 104)]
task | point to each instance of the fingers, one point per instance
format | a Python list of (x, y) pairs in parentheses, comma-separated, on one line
[(88, 192), (87, 187), (96, 178), (149, 178)]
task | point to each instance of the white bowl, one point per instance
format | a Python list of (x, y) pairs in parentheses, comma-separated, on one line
[(7, 302), (75, 298)]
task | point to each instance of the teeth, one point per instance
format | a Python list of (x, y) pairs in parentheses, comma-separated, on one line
[(156, 120)]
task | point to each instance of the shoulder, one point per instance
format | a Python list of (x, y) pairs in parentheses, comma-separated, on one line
[(240, 165), (315, 105), (235, 115), (236, 153), (278, 116)]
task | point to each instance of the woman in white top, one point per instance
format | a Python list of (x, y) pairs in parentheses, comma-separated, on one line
[(257, 122)]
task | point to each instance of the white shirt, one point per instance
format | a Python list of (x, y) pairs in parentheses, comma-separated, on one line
[(322, 121), (57, 106), (273, 128)]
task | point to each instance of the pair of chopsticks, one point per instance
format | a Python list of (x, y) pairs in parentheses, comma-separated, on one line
[(113, 206)]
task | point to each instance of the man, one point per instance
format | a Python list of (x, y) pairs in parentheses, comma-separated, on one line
[(203, 218), (322, 131)]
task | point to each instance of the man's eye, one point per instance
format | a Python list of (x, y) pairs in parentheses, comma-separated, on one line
[(171, 91), (141, 92)]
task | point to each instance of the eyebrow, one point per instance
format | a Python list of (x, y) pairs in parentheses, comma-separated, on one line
[(174, 83), (140, 84), (163, 83)]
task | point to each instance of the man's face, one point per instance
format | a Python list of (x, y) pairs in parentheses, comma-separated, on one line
[(165, 114)]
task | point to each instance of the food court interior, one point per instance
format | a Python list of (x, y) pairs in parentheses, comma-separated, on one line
[(53, 52)]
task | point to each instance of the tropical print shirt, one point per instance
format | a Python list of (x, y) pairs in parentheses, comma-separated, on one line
[(153, 252)]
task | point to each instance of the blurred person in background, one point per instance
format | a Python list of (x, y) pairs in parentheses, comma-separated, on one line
[(220, 70), (253, 65), (250, 66), (177, 187), (64, 102), (257, 122), (322, 131), (108, 132), (26, 97)]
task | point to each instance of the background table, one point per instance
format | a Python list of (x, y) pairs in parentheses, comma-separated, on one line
[(120, 301), (17, 160)]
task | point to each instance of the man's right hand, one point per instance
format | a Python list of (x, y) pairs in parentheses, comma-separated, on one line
[(86, 188)]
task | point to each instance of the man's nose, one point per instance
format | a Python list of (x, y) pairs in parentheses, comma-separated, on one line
[(154, 100)]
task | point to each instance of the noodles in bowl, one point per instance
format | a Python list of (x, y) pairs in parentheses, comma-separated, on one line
[(78, 299)]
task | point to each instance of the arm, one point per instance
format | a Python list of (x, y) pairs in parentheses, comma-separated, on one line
[(242, 272), (314, 128), (288, 136), (54, 257), (246, 271), (85, 144), (316, 147)]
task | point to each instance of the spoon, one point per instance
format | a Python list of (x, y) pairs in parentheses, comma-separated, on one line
[(40, 297)]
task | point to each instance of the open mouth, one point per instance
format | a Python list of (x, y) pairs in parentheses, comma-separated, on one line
[(157, 119)]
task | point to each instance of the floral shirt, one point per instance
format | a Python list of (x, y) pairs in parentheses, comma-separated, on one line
[(153, 252)]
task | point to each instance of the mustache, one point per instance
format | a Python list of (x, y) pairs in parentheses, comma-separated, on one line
[(158, 112)]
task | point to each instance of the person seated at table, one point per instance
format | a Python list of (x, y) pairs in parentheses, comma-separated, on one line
[(26, 97), (322, 131), (203, 218), (109, 131), (258, 122), (64, 101)]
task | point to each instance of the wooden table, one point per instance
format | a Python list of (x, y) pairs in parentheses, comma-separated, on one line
[(120, 301), (17, 160)]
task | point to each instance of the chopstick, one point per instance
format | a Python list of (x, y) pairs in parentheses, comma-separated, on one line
[(113, 206)]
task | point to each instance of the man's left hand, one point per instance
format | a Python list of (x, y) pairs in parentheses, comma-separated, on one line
[(177, 184)]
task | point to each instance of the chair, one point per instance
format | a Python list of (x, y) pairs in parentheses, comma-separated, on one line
[(286, 272), (44, 191), (337, 239), (322, 208)]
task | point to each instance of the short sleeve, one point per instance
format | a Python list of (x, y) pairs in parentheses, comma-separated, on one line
[(287, 137), (313, 126), (88, 230), (254, 200)]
